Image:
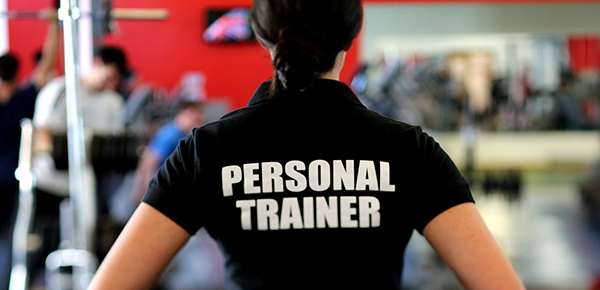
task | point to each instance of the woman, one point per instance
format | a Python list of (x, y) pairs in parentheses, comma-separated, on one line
[(305, 188)]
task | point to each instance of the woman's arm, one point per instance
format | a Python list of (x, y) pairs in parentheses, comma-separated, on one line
[(148, 243), (463, 241)]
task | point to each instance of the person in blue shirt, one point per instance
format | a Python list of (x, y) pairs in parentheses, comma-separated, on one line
[(188, 114), (16, 103)]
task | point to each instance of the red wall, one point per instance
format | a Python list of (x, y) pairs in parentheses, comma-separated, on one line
[(584, 53), (160, 51), (25, 36)]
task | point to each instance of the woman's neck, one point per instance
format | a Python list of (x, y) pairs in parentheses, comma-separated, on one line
[(334, 73), (331, 76)]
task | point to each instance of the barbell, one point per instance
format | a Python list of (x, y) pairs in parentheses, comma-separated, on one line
[(103, 15), (115, 13)]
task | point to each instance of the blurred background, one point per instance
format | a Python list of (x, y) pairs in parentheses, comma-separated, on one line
[(509, 88)]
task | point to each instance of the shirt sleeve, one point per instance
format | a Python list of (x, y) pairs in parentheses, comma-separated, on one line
[(46, 102), (173, 192), (441, 184)]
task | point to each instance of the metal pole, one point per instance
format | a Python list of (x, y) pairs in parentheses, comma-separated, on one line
[(19, 275), (82, 196), (83, 213), (4, 45)]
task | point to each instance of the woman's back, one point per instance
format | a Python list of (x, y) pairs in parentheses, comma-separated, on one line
[(309, 189)]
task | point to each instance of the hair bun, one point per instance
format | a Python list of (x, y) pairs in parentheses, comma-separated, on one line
[(304, 37), (297, 62)]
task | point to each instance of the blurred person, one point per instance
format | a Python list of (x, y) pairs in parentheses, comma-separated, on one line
[(102, 110), (570, 115), (305, 188), (187, 112), (200, 252), (128, 83), (188, 115), (16, 103), (102, 107), (37, 58)]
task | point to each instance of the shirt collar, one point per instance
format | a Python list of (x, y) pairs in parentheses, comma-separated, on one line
[(320, 92)]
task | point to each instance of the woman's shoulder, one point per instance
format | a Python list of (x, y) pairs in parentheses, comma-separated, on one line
[(228, 124), (381, 124)]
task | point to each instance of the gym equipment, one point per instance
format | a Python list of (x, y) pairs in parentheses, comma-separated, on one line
[(78, 213), (103, 16), (19, 277), (418, 93), (78, 253), (69, 268), (107, 14), (589, 190), (110, 152), (115, 152), (83, 265), (115, 13), (507, 183)]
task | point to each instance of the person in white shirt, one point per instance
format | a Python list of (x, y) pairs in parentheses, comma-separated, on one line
[(102, 110)]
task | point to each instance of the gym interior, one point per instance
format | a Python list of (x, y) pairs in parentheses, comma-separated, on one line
[(509, 88)]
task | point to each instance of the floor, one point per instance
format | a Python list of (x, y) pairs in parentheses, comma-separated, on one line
[(547, 236)]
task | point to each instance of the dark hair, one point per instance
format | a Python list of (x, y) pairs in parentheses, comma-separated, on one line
[(8, 67), (183, 105), (304, 36), (113, 55), (566, 77), (37, 57)]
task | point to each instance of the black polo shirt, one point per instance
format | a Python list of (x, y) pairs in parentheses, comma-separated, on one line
[(308, 190)]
